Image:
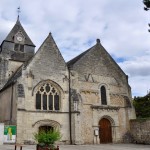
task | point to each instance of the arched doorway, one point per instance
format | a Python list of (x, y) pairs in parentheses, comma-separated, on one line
[(105, 132), (45, 128)]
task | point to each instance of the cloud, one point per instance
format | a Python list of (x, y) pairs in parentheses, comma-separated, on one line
[(139, 85), (138, 69), (75, 26), (138, 66)]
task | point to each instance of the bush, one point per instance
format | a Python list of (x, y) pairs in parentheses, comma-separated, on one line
[(47, 138)]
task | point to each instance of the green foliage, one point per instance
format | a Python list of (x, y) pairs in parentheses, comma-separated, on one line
[(47, 138), (147, 3), (142, 106)]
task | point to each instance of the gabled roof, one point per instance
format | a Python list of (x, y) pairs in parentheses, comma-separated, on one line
[(48, 42), (98, 47), (13, 78), (18, 27), (18, 72), (74, 60)]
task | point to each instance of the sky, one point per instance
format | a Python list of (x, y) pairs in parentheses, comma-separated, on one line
[(121, 26)]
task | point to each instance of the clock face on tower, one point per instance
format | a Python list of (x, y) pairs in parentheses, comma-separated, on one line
[(19, 38)]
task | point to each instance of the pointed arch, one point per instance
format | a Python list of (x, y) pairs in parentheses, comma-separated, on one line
[(47, 122), (48, 96), (45, 81)]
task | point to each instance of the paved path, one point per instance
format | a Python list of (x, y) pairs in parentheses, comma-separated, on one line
[(86, 147)]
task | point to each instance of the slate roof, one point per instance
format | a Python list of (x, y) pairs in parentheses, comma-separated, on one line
[(18, 73), (96, 46), (74, 60), (18, 27), (13, 78)]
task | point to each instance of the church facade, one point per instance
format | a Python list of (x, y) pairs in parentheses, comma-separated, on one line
[(88, 99)]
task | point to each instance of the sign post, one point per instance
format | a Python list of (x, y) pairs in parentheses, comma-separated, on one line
[(9, 134), (1, 133)]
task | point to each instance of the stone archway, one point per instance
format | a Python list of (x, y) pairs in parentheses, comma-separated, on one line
[(46, 128), (105, 131), (46, 124)]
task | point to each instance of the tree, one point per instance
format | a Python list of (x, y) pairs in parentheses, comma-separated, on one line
[(147, 4), (142, 106), (146, 8)]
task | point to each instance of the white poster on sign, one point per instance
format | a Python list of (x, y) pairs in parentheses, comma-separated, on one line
[(9, 134), (1, 133)]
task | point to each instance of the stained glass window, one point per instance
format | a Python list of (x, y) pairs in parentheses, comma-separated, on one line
[(38, 100), (50, 102), (48, 97), (56, 102), (44, 101), (103, 96)]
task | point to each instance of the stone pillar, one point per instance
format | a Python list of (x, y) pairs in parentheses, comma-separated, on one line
[(77, 137)]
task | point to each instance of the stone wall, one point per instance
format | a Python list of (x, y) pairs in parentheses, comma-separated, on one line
[(140, 130), (8, 106), (47, 66), (92, 71)]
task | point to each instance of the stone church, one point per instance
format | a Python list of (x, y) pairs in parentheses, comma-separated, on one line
[(88, 99)]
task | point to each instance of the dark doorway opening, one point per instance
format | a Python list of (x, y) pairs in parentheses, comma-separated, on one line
[(45, 128)]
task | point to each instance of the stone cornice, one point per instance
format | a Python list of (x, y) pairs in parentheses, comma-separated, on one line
[(48, 111), (89, 91), (105, 107)]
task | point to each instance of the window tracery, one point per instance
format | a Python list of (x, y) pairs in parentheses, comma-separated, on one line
[(48, 97)]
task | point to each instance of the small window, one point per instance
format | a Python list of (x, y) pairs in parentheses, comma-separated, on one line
[(22, 48), (103, 95), (38, 100), (19, 47), (16, 48), (48, 98)]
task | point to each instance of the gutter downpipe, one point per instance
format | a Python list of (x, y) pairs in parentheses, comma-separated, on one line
[(11, 106), (70, 127)]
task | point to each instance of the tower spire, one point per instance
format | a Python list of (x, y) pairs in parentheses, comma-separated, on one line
[(18, 11)]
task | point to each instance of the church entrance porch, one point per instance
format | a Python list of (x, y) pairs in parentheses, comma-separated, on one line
[(105, 131)]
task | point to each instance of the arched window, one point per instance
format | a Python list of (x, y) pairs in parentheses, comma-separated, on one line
[(103, 95), (47, 97)]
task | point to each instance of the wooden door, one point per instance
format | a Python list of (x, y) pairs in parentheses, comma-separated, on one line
[(105, 132)]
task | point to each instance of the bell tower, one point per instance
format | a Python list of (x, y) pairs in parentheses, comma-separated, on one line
[(17, 45), (16, 49)]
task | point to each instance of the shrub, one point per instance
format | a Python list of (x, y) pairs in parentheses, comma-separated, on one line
[(47, 138)]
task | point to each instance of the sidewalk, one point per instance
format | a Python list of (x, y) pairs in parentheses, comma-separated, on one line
[(86, 147)]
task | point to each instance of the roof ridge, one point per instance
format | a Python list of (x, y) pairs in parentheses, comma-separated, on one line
[(75, 59), (16, 28), (50, 37), (11, 80)]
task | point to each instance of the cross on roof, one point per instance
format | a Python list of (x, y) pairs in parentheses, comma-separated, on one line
[(18, 10)]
